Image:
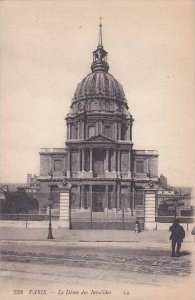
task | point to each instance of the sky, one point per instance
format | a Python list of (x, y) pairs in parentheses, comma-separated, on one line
[(46, 49)]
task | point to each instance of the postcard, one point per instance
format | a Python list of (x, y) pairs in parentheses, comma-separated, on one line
[(97, 150)]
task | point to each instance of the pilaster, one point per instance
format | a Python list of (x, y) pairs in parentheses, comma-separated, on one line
[(65, 207), (118, 197), (68, 131), (115, 130), (150, 204), (131, 132), (106, 164), (83, 160), (106, 198), (68, 163), (114, 198), (90, 204), (133, 201), (118, 161), (82, 196), (90, 160), (129, 165), (81, 129), (119, 131)]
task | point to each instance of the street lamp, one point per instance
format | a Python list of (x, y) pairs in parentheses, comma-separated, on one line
[(118, 180), (50, 202)]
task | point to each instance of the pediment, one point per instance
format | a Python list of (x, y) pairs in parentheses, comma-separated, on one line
[(100, 138)]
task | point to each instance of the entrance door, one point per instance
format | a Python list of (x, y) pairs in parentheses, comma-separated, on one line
[(97, 198), (98, 163)]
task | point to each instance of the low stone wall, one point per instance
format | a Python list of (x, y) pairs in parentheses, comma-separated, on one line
[(96, 225), (165, 226), (34, 224)]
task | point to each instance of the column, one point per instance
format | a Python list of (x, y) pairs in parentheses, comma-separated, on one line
[(119, 131), (106, 198), (69, 130), (118, 196), (128, 200), (68, 133), (84, 130), (82, 196), (79, 195), (129, 165), (149, 207), (79, 161), (114, 159), (78, 130), (119, 161), (114, 199), (107, 161), (90, 197), (65, 207), (51, 167), (147, 165), (83, 159), (97, 128), (81, 129), (133, 201), (90, 160), (68, 163), (131, 132), (128, 131), (113, 162), (115, 130)]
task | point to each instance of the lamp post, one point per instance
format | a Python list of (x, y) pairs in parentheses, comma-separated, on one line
[(118, 180), (132, 198), (50, 202)]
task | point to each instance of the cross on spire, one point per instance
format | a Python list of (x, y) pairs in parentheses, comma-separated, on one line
[(100, 33), (100, 55)]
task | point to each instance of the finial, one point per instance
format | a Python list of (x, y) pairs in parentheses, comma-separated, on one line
[(100, 33), (100, 55)]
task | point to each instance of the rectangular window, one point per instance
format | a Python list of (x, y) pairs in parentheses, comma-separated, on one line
[(87, 160), (57, 165), (140, 166), (91, 131), (139, 198), (75, 134), (107, 131)]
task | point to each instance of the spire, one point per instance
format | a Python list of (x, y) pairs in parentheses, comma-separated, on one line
[(100, 55), (100, 34)]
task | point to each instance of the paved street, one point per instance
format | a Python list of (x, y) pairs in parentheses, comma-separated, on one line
[(123, 265), (97, 257)]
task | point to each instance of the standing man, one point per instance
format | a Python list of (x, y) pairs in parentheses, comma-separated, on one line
[(177, 236)]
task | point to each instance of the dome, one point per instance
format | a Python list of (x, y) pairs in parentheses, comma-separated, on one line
[(99, 84)]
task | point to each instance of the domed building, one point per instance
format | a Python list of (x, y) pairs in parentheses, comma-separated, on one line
[(107, 176)]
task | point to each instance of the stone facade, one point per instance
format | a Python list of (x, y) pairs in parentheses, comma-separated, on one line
[(99, 162)]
